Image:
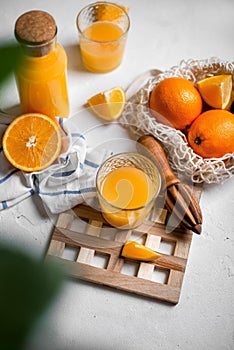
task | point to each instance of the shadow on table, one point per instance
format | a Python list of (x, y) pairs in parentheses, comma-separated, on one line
[(74, 58)]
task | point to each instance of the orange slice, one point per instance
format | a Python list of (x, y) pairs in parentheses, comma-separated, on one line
[(216, 91), (106, 12), (136, 251), (32, 142), (109, 104)]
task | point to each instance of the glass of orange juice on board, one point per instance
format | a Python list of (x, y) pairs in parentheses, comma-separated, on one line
[(127, 186), (103, 29)]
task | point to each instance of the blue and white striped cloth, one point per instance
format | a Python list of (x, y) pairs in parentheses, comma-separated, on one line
[(66, 183)]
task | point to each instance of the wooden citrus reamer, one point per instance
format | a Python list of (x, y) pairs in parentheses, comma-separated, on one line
[(180, 198)]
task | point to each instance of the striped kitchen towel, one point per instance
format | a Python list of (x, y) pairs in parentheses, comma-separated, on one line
[(66, 183)]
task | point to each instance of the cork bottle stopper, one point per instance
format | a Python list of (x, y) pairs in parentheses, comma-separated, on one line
[(35, 27)]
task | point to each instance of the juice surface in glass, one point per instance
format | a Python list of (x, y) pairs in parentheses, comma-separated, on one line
[(102, 46), (128, 195), (42, 84)]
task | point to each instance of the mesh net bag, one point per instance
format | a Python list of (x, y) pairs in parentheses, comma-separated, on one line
[(182, 158)]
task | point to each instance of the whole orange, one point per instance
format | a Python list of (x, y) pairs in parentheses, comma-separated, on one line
[(211, 135), (175, 102)]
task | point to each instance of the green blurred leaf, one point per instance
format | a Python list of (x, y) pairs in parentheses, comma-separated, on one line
[(10, 59), (27, 288)]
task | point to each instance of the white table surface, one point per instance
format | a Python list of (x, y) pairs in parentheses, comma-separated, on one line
[(87, 316)]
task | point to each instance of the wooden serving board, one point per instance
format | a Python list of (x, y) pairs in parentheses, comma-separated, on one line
[(81, 237)]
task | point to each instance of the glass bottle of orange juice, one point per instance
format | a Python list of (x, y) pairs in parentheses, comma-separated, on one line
[(42, 79)]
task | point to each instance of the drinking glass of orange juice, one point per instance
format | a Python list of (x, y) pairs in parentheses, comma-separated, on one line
[(103, 29), (127, 186)]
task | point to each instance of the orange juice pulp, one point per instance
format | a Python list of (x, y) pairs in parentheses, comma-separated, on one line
[(128, 194), (102, 46), (42, 84)]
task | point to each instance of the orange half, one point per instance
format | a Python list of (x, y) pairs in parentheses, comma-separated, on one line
[(32, 142)]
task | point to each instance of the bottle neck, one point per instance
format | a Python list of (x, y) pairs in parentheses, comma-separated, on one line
[(38, 50)]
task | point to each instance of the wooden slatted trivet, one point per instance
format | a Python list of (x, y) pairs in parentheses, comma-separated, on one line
[(85, 230)]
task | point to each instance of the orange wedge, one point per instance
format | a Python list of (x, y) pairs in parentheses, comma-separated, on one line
[(216, 91), (32, 142), (109, 12), (136, 251), (109, 104)]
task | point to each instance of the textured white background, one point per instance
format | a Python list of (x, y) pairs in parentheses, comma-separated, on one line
[(90, 317)]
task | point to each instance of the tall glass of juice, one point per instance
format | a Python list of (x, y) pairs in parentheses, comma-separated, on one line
[(127, 186), (103, 29)]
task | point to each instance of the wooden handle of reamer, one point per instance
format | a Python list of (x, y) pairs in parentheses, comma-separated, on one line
[(154, 147)]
